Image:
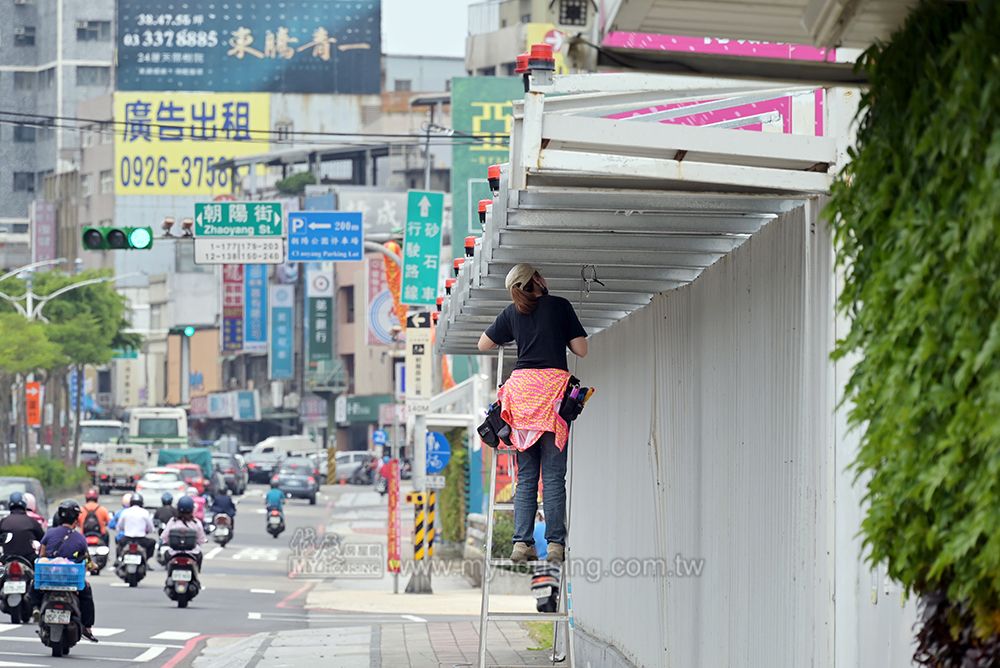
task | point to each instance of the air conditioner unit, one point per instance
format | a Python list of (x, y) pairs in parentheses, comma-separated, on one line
[(81, 24), (19, 30)]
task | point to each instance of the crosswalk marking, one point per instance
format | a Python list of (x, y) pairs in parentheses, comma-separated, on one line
[(213, 552), (253, 615), (18, 664), (176, 635), (149, 655), (262, 591), (258, 554), (106, 633), (9, 627)]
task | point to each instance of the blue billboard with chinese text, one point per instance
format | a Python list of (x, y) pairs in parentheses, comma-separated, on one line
[(275, 46)]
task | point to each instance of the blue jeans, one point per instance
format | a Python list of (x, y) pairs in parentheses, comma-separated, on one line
[(544, 456)]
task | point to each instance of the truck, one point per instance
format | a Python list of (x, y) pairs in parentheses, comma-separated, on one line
[(96, 436), (149, 431)]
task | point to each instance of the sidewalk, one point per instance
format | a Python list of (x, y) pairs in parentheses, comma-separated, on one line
[(431, 645)]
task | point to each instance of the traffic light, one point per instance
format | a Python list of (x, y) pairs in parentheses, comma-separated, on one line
[(189, 331), (117, 238)]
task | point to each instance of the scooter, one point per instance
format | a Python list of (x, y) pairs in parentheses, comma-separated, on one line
[(223, 532), (98, 552), (382, 485), (60, 624), (16, 575), (131, 563), (275, 522)]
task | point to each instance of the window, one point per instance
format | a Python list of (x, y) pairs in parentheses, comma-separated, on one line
[(347, 299), (107, 181), (107, 133), (510, 69), (93, 31), (89, 136), (24, 182), (24, 36), (283, 130), (87, 75), (47, 78), (85, 186), (403, 85), (573, 12), (24, 133), (25, 80)]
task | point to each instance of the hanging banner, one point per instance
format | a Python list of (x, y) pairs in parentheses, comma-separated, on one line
[(255, 308), (380, 314), (319, 301), (33, 404), (392, 533), (281, 354), (232, 308)]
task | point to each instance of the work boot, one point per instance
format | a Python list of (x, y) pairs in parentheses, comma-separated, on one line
[(556, 553), (523, 552)]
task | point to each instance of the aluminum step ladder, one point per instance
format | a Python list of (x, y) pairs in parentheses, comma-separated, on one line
[(564, 615)]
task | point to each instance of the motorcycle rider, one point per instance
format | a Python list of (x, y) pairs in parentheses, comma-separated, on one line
[(223, 503), (185, 519), (199, 504), (29, 499), (275, 499), (94, 517), (18, 531), (136, 525), (64, 541), (113, 524), (166, 512)]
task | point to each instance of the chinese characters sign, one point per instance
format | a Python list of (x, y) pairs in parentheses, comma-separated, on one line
[(419, 361), (480, 106), (167, 143), (281, 46), (315, 236), (237, 219), (422, 247), (381, 315), (319, 294), (255, 308), (232, 308), (280, 359)]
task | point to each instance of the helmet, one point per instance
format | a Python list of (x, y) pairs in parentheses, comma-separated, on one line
[(17, 501), (92, 494), (126, 500), (192, 492), (185, 504), (29, 499), (68, 512), (167, 498), (136, 500), (274, 484)]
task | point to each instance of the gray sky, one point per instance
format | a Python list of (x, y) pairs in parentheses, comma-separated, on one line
[(425, 27)]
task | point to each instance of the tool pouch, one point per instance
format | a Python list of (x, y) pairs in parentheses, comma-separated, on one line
[(494, 429), (571, 406)]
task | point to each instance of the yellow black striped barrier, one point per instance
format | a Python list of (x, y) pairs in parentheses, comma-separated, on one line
[(418, 531), (431, 500)]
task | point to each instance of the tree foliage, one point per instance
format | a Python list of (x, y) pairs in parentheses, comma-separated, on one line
[(917, 222), (25, 347)]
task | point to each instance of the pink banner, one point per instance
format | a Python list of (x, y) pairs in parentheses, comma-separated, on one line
[(744, 48)]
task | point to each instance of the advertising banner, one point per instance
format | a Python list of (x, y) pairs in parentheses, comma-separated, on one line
[(392, 533), (480, 106), (43, 230), (281, 357), (167, 143), (255, 308), (380, 314), (232, 308), (279, 46)]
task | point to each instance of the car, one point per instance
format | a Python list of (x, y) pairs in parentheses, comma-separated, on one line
[(290, 446), (157, 481), (349, 462), (296, 478), (234, 469), (192, 475), (262, 465), (322, 462), (9, 485)]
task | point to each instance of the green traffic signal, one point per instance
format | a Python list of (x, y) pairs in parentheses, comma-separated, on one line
[(189, 331), (117, 238)]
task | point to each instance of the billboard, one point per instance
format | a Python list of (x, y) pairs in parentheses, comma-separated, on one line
[(166, 143), (277, 46), (480, 106)]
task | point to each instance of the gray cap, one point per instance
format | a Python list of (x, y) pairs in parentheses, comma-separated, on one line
[(519, 275)]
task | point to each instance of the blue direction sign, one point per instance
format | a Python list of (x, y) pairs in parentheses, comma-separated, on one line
[(438, 452), (380, 437), (325, 236)]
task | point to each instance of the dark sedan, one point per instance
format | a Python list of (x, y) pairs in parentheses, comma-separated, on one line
[(262, 466), (234, 470), (297, 478)]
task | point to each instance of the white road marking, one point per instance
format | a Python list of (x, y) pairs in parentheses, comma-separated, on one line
[(13, 664), (9, 627), (214, 551), (414, 618), (258, 554), (261, 511), (149, 655), (253, 615), (104, 643), (118, 584), (106, 633), (262, 591), (183, 636)]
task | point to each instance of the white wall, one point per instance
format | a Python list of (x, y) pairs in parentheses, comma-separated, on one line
[(713, 435)]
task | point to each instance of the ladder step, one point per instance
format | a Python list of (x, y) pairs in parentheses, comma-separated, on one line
[(526, 616), (508, 562), (503, 506)]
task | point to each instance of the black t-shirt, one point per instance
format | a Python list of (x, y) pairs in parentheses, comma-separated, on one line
[(17, 530), (542, 336)]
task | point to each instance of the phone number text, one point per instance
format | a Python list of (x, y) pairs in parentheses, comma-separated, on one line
[(159, 172)]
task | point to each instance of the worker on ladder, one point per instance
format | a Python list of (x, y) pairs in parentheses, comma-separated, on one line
[(543, 326)]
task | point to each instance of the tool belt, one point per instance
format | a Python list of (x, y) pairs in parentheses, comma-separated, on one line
[(574, 400)]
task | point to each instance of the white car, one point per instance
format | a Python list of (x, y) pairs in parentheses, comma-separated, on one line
[(155, 482)]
